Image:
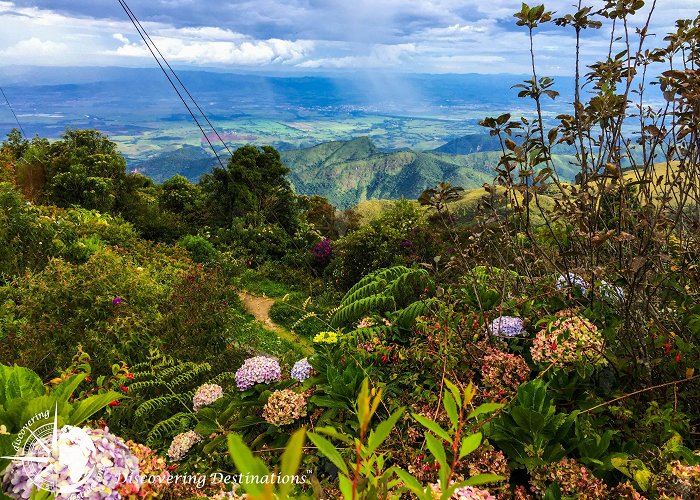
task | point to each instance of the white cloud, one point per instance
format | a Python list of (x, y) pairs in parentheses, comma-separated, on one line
[(31, 49), (199, 51)]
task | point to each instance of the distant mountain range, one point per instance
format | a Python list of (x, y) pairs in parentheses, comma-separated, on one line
[(349, 172)]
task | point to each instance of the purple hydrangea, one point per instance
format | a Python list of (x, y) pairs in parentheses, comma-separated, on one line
[(109, 464), (257, 370), (301, 370), (206, 395), (506, 326)]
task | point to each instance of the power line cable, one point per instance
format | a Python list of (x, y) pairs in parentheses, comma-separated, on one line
[(13, 112), (177, 77), (134, 21)]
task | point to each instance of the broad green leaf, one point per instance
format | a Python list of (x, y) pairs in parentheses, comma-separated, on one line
[(382, 431), (329, 451), (345, 486), (448, 402), (437, 449), (455, 392), (484, 409), (246, 463), (432, 426), (483, 479), (291, 458), (89, 406), (409, 481), (469, 444), (63, 391), (17, 382)]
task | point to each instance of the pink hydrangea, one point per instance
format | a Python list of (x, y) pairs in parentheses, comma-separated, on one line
[(567, 341)]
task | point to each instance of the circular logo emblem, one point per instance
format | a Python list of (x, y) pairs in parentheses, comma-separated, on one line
[(57, 460)]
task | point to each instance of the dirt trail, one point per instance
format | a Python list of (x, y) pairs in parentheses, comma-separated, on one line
[(260, 307)]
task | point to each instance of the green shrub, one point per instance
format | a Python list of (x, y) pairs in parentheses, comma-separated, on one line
[(200, 248)]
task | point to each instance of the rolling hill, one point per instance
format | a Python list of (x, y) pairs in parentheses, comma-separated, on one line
[(349, 172)]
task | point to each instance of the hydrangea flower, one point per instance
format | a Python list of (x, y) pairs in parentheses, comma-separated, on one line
[(113, 463), (574, 479), (502, 373), (284, 407), (463, 493), (257, 370), (302, 370), (181, 445), (572, 280), (506, 326), (326, 338), (205, 395), (150, 465), (568, 340)]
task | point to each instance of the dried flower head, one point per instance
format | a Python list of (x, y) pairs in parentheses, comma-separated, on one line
[(573, 478), (284, 407)]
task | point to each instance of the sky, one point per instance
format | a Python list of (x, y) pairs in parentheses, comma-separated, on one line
[(302, 36)]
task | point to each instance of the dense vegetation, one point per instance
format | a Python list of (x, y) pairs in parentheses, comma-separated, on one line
[(533, 339)]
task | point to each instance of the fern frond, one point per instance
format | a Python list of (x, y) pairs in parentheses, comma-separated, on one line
[(156, 404), (169, 427), (352, 312)]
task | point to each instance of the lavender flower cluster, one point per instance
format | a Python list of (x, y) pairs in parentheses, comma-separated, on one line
[(205, 395), (112, 464), (322, 251), (181, 445), (506, 326), (257, 370), (301, 370)]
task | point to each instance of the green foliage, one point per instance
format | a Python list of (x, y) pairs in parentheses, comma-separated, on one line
[(159, 402), (251, 466), (253, 183), (384, 242), (200, 248), (365, 475), (390, 293), (531, 431), (456, 404)]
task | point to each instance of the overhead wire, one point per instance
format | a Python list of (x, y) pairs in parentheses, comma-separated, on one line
[(13, 111), (144, 36), (133, 16)]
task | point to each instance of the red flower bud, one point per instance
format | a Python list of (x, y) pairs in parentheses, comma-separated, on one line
[(88, 379), (678, 357), (124, 388), (114, 403), (130, 376)]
